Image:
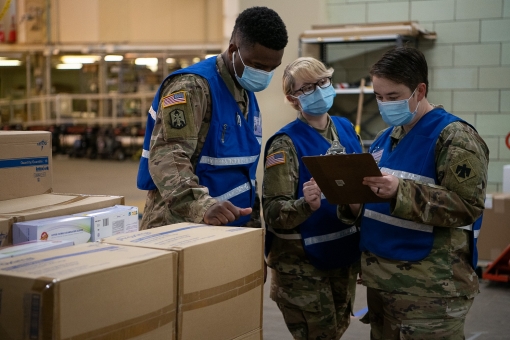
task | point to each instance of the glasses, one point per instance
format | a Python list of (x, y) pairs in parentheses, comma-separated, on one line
[(310, 88)]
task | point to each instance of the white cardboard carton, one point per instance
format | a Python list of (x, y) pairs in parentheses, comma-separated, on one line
[(46, 206), (71, 228), (106, 222)]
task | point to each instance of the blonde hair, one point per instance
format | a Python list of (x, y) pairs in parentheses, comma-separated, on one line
[(306, 69)]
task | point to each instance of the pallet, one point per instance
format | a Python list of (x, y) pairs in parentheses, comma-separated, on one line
[(499, 270)]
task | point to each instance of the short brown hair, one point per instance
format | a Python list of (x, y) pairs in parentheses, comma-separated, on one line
[(403, 65)]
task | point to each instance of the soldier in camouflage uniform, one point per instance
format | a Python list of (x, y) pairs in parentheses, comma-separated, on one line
[(313, 287), (419, 249), (183, 145)]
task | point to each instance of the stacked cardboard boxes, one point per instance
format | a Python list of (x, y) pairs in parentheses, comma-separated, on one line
[(220, 277), (495, 233), (26, 184), (183, 281), (89, 291)]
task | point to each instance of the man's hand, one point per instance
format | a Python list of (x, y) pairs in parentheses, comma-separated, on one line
[(224, 212), (312, 194)]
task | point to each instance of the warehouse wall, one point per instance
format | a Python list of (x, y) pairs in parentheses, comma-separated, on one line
[(469, 64), (132, 21)]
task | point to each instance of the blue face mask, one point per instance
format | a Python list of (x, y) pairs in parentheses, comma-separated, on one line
[(253, 79), (318, 102), (397, 113)]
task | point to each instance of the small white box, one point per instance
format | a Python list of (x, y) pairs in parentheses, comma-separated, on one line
[(106, 222), (33, 247), (70, 228), (506, 178)]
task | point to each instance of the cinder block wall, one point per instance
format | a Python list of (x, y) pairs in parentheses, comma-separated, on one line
[(469, 63)]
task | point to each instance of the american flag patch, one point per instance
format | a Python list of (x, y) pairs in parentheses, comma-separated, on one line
[(174, 98), (275, 159)]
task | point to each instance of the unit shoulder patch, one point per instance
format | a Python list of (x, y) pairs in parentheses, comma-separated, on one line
[(463, 170), (177, 119), (275, 159)]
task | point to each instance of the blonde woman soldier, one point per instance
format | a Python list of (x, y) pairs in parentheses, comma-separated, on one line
[(313, 256)]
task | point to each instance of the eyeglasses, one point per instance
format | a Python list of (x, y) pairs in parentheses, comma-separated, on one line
[(310, 88)]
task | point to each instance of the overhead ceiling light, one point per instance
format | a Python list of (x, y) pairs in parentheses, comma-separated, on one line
[(146, 61), (210, 56), (150, 63), (170, 60), (7, 62), (69, 66), (196, 60), (80, 59), (113, 58)]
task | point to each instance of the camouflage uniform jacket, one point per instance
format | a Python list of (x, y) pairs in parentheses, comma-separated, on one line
[(457, 201), (283, 211), (174, 153)]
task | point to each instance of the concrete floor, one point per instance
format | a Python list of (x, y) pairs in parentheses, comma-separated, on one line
[(488, 319)]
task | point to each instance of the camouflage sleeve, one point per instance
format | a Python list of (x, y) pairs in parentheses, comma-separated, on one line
[(461, 165), (184, 102), (281, 207)]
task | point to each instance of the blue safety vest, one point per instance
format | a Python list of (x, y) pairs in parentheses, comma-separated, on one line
[(228, 161), (328, 243), (413, 159)]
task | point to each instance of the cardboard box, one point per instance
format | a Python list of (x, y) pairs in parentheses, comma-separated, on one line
[(25, 163), (49, 205), (69, 228), (87, 291), (33, 247), (5, 231), (254, 335), (495, 233), (106, 222), (220, 277)]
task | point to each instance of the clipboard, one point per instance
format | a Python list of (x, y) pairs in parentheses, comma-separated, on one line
[(340, 177)]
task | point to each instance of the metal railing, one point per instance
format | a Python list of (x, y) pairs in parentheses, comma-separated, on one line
[(77, 109)]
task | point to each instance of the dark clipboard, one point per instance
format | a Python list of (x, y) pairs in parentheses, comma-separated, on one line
[(340, 177)]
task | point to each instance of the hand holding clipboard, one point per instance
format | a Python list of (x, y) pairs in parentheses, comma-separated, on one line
[(340, 177)]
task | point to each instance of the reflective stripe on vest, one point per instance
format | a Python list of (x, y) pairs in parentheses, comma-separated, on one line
[(153, 114), (236, 191), (397, 222), (228, 161), (330, 237), (408, 175)]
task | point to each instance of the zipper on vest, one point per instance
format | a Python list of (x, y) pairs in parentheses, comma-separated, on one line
[(223, 133)]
